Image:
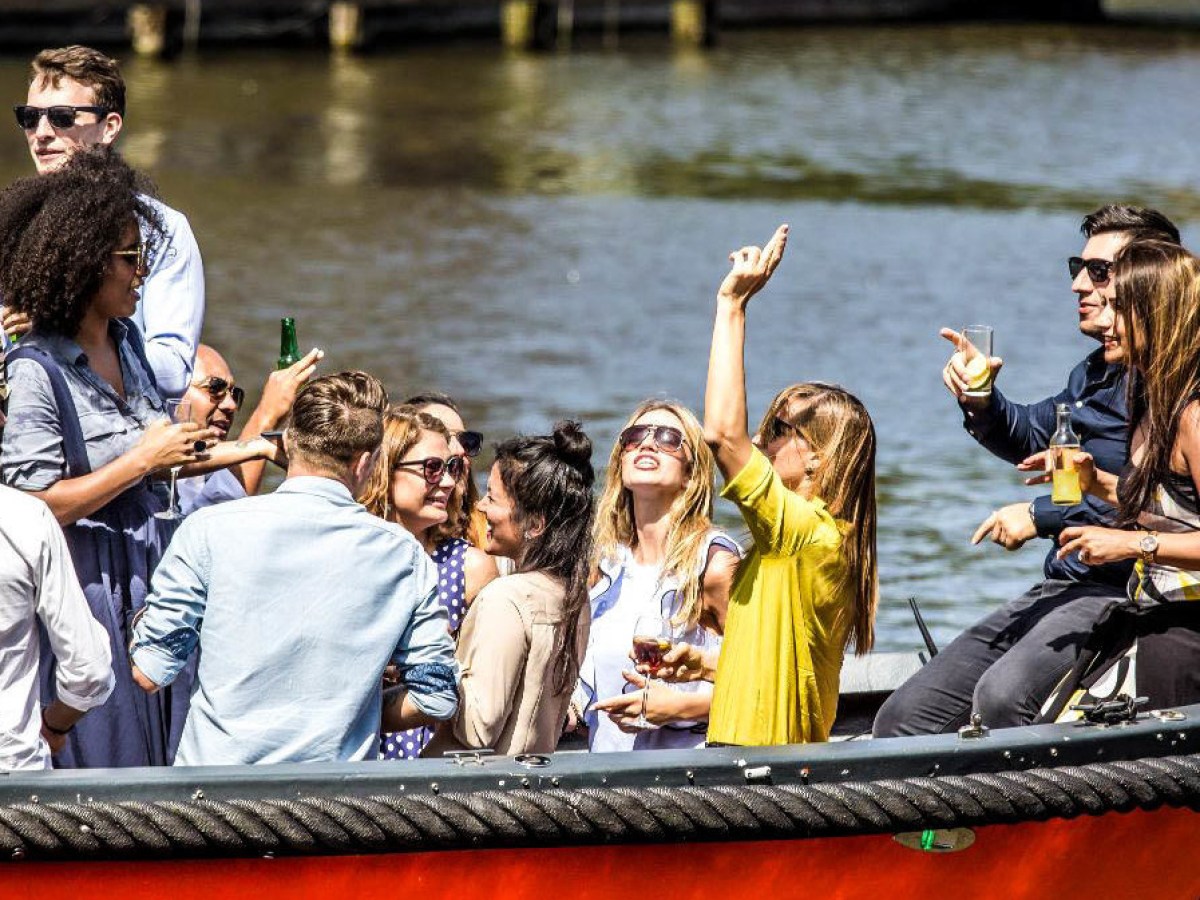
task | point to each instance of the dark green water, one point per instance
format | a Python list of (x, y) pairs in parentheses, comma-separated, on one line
[(543, 236)]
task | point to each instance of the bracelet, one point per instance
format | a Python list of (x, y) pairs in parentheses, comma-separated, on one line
[(61, 732)]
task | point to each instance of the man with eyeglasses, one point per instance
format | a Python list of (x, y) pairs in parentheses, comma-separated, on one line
[(76, 99), (1007, 665), (215, 400)]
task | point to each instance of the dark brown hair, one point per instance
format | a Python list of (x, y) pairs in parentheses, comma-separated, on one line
[(1157, 295), (1140, 222), (337, 417), (549, 478), (88, 67), (57, 231)]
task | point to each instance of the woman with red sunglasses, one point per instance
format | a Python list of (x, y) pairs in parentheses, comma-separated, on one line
[(413, 483), (805, 485), (657, 555)]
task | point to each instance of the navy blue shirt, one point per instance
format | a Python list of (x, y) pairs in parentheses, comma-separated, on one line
[(1095, 392)]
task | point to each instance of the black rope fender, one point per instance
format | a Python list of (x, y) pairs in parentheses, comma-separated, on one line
[(571, 817)]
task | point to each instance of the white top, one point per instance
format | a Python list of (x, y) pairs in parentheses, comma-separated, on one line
[(37, 581), (626, 591), (171, 311), (200, 491)]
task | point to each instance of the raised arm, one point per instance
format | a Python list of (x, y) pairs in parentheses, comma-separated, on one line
[(725, 427)]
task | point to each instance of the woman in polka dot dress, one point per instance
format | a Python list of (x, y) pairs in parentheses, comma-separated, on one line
[(413, 483)]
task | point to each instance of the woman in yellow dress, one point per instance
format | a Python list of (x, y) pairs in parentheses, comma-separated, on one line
[(805, 485)]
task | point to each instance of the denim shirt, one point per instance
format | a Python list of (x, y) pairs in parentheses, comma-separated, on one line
[(299, 599), (32, 457), (1095, 392)]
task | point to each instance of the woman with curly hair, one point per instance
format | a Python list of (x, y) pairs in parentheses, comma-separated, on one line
[(413, 482), (86, 426), (524, 636), (658, 555)]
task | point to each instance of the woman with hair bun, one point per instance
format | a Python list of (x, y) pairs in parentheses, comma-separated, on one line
[(523, 638)]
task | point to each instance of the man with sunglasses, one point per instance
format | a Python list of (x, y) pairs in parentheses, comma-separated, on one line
[(1006, 665), (76, 99), (215, 400)]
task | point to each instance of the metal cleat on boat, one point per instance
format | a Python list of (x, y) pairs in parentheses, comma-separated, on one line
[(975, 730), (1117, 711)]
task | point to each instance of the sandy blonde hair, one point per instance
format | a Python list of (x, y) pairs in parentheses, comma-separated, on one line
[(690, 515), (837, 427)]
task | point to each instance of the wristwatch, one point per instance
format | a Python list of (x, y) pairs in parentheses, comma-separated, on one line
[(1148, 547)]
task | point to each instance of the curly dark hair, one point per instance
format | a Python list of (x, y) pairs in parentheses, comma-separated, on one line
[(57, 231)]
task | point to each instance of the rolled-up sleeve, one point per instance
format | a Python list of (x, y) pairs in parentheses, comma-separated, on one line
[(171, 312), (168, 630), (425, 657), (32, 455), (84, 675)]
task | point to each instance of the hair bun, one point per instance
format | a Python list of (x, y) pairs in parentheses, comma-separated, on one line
[(574, 447)]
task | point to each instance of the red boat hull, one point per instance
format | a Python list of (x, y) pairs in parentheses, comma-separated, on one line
[(1113, 856)]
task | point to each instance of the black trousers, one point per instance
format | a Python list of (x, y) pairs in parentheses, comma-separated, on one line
[(1005, 666)]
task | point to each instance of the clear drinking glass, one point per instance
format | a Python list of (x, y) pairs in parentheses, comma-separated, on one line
[(651, 640), (179, 411), (976, 348)]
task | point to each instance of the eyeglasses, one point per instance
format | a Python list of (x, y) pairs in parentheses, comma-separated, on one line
[(137, 253), (665, 437), (218, 387), (433, 468), (472, 442), (1099, 270), (782, 428), (59, 116)]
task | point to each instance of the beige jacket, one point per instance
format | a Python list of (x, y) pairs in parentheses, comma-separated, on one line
[(507, 646)]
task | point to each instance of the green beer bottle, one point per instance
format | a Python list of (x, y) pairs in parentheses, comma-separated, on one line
[(289, 348)]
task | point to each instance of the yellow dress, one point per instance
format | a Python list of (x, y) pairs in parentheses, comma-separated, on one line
[(790, 611)]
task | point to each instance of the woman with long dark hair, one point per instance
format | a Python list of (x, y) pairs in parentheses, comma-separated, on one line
[(1156, 332), (524, 636)]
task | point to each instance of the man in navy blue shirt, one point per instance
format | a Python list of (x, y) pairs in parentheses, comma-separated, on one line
[(1006, 665)]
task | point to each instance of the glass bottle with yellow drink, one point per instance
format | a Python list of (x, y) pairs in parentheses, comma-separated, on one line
[(1064, 444)]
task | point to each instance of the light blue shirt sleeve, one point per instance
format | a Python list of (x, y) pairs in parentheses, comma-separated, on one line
[(32, 455), (425, 657), (168, 629), (171, 312)]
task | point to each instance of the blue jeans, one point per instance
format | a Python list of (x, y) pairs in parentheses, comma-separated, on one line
[(1005, 666)]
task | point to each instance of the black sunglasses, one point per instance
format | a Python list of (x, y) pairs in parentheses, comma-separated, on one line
[(59, 116), (432, 467), (665, 437), (218, 387), (1099, 270), (472, 442), (781, 428)]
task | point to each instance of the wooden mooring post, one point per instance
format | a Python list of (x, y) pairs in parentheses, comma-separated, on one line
[(147, 24), (345, 26)]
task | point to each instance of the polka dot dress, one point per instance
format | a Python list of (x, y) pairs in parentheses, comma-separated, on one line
[(451, 559)]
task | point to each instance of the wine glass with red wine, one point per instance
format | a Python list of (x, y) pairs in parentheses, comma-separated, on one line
[(651, 641)]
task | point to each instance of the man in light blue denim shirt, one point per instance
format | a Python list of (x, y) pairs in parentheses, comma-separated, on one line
[(299, 600)]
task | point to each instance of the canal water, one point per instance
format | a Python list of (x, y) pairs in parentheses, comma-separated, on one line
[(542, 236)]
